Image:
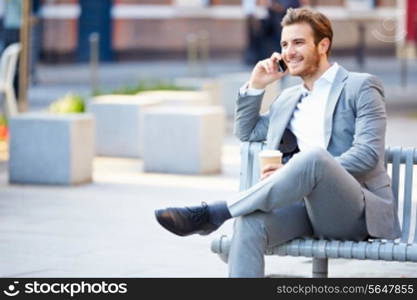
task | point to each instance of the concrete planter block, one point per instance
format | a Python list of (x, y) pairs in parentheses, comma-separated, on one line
[(191, 82), (229, 89), (118, 124), (185, 140), (209, 85), (175, 98), (51, 148)]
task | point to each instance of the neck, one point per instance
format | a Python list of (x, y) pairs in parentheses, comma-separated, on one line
[(309, 79)]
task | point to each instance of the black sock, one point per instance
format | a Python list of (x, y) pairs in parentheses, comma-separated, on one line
[(219, 212)]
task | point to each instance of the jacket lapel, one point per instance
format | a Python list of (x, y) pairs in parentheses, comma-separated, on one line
[(281, 117), (335, 91), (285, 108)]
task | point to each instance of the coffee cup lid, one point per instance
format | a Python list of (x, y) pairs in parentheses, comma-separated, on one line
[(270, 153)]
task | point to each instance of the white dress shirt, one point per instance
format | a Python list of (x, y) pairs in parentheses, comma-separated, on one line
[(307, 121)]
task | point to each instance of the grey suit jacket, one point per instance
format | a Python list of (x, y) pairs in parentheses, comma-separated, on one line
[(355, 122)]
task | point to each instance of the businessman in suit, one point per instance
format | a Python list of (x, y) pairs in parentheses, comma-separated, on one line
[(331, 130)]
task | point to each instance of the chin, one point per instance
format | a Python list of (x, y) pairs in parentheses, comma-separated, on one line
[(295, 72)]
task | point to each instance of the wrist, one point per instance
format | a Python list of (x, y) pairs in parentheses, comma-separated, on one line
[(257, 86)]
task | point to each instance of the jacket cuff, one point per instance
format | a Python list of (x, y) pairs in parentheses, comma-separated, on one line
[(245, 90)]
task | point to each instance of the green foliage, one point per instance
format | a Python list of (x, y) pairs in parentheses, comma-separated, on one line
[(3, 120), (413, 115), (143, 86), (70, 103)]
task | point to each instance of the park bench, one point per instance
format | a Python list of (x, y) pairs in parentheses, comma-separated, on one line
[(403, 249)]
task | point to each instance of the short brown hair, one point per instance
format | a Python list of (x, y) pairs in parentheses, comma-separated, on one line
[(319, 23)]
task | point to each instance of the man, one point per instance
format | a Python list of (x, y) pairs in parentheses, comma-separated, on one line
[(331, 130)]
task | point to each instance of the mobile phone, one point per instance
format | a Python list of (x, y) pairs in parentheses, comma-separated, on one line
[(282, 66)]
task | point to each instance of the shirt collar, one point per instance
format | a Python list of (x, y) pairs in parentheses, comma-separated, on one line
[(304, 91), (330, 73)]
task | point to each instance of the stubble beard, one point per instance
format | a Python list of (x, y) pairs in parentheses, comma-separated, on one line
[(311, 63)]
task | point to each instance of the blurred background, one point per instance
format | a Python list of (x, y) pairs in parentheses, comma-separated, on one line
[(110, 109), (191, 37), (146, 29)]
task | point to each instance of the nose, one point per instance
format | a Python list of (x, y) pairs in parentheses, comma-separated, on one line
[(288, 53)]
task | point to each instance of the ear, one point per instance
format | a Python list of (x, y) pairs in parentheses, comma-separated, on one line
[(324, 45)]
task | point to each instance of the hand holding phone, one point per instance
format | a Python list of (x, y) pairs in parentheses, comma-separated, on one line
[(267, 71)]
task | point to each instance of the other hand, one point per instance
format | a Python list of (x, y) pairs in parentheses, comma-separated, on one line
[(269, 169)]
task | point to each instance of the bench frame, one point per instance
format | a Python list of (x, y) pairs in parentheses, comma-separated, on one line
[(402, 249)]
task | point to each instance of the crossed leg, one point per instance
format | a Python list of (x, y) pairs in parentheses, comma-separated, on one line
[(311, 195)]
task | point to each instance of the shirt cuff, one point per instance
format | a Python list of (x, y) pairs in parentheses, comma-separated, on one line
[(245, 90)]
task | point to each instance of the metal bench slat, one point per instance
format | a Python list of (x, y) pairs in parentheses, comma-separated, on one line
[(245, 178), (396, 159), (387, 157), (408, 185)]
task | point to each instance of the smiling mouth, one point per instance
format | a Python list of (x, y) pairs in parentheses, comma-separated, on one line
[(294, 63)]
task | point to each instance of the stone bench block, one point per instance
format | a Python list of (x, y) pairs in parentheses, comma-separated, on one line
[(175, 98), (118, 124), (211, 86), (185, 140), (51, 148)]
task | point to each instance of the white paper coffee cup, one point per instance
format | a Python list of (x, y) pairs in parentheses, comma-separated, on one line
[(269, 157)]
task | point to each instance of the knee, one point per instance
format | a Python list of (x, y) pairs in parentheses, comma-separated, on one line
[(249, 227), (247, 222), (315, 155)]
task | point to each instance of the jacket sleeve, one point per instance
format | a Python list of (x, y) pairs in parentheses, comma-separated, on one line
[(370, 124), (249, 124)]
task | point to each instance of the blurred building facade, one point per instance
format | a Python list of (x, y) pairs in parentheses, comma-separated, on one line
[(143, 29)]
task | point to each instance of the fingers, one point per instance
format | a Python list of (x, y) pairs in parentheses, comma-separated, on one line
[(270, 167), (265, 72), (270, 64), (267, 66), (276, 57), (267, 174)]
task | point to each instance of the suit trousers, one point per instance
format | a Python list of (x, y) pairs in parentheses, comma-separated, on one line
[(310, 196)]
